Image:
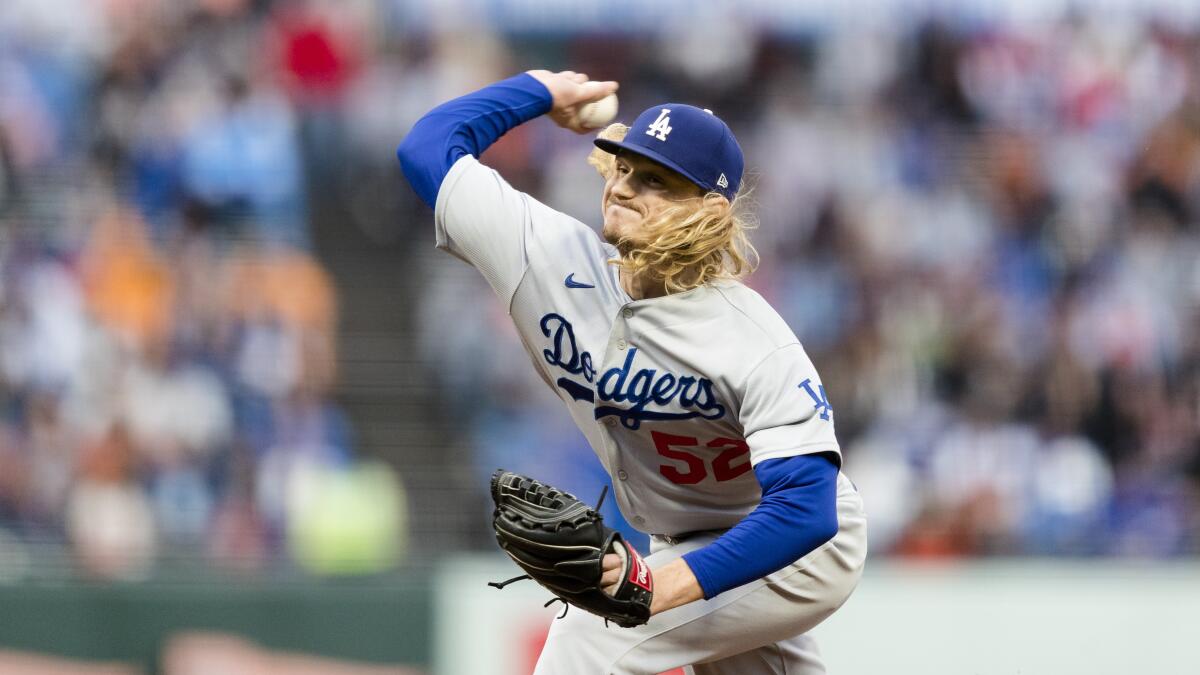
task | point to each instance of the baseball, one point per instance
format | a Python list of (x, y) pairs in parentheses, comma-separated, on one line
[(598, 113)]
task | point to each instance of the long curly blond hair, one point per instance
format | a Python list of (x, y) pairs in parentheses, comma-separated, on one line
[(700, 240)]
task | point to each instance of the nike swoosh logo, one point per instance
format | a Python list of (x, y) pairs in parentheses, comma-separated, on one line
[(571, 283)]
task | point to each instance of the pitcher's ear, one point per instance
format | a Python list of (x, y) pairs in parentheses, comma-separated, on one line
[(716, 199)]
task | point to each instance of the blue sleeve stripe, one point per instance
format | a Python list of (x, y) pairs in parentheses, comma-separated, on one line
[(797, 514), (467, 125)]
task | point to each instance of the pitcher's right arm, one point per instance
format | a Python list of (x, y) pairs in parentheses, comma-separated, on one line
[(479, 216)]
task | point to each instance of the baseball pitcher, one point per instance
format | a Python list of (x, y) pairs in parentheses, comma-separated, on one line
[(698, 399)]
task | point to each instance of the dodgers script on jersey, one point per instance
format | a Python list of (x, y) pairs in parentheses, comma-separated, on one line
[(679, 395)]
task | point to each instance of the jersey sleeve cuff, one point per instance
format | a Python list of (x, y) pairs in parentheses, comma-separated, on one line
[(792, 450), (441, 237)]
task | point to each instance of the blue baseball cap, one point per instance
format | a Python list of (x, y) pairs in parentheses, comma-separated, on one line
[(689, 140)]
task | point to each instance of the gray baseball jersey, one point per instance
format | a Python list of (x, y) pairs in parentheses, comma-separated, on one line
[(679, 395)]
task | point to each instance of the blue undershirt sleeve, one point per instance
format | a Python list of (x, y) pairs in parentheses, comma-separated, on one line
[(467, 126), (797, 514)]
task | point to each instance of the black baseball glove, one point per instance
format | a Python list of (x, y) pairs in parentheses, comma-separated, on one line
[(560, 542)]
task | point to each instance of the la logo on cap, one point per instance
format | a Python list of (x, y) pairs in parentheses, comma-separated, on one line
[(661, 126), (722, 182)]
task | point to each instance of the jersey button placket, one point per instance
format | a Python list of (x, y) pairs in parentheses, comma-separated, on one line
[(622, 344)]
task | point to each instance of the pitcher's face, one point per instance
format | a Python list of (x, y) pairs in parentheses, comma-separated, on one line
[(637, 191)]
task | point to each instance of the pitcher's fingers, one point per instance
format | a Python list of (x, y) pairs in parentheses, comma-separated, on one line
[(594, 91), (610, 579), (613, 566)]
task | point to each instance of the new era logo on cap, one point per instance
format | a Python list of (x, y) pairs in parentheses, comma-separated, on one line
[(689, 140)]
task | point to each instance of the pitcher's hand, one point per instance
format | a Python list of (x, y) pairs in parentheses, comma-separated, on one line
[(613, 566), (571, 91)]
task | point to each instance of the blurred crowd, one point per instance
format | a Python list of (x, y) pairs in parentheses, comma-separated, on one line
[(987, 237), (167, 337)]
